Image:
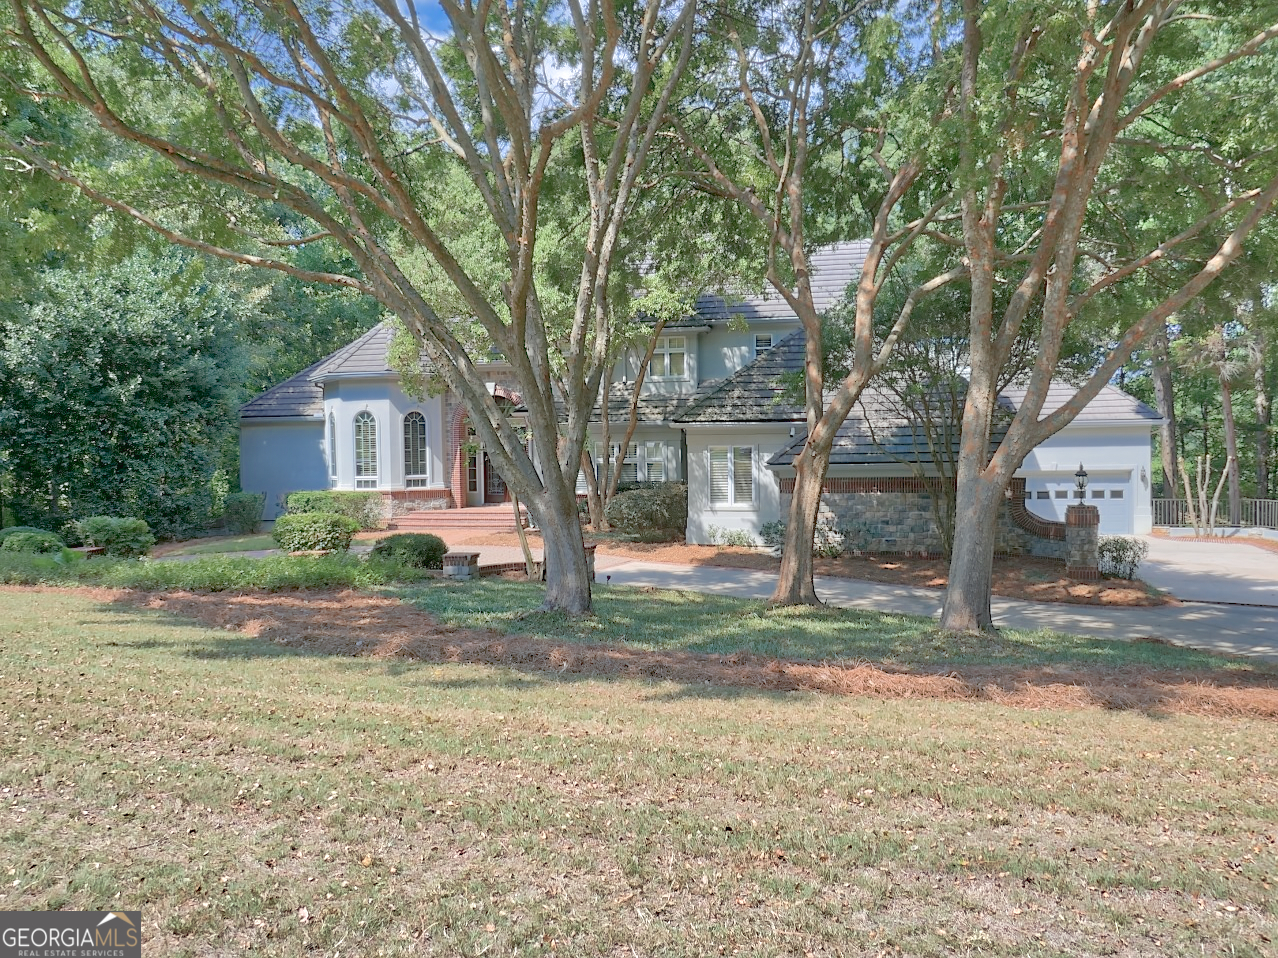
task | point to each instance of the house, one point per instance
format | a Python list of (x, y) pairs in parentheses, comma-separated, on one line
[(712, 411)]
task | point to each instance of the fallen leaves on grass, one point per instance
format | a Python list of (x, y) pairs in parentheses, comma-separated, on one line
[(357, 624)]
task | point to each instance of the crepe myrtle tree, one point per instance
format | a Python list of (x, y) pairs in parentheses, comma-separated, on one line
[(251, 128), (1099, 144), (802, 114)]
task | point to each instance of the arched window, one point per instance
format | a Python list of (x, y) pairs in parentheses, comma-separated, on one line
[(332, 447), (416, 455), (365, 451)]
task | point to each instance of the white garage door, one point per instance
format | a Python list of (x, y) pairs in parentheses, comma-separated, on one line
[(1049, 496)]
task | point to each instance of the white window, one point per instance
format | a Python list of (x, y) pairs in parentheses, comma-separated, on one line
[(332, 447), (669, 358), (654, 461), (762, 343), (365, 451), (732, 475), (416, 455)]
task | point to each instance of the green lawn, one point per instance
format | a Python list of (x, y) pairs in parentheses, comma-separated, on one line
[(696, 622), (255, 799), (218, 544)]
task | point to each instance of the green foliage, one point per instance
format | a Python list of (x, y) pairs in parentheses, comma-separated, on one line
[(1119, 557), (14, 530), (658, 513), (305, 531), (719, 536), (117, 391), (123, 537), (36, 542), (211, 574), (364, 507), (242, 512), (830, 539), (414, 549)]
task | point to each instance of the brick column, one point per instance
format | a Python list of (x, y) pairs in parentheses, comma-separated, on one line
[(1082, 540)]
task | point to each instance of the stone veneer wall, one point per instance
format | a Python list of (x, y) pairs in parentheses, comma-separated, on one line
[(894, 515), (401, 502)]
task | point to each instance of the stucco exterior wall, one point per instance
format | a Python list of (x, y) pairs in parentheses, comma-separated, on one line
[(766, 504), (1117, 460), (346, 398), (723, 351), (277, 458)]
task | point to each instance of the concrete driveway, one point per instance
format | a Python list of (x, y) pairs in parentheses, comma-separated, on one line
[(1229, 571)]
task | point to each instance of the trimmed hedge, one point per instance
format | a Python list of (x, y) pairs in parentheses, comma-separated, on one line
[(364, 507), (658, 513), (208, 573), (124, 537), (307, 531), (242, 513), (418, 550), (40, 543)]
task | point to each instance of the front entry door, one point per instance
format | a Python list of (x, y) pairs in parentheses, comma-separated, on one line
[(494, 484)]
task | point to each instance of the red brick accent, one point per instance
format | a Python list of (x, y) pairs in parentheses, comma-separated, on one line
[(1084, 573), (847, 484), (1082, 516), (457, 439), (1024, 519)]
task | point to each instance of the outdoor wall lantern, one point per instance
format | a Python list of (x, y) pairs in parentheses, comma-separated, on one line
[(1080, 481), (1144, 477)]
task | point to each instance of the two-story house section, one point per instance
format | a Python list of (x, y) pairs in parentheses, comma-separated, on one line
[(717, 409)]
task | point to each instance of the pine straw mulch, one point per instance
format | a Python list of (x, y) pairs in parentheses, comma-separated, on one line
[(350, 623), (1015, 577)]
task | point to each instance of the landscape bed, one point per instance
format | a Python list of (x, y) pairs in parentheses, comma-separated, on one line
[(270, 798)]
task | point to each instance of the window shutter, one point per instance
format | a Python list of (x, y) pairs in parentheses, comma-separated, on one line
[(742, 474), (762, 343), (654, 455), (718, 475)]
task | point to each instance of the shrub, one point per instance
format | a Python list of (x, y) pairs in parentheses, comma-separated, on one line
[(364, 507), (1118, 557), (124, 537), (658, 511), (14, 530), (414, 549), (730, 537), (36, 542), (303, 531), (210, 573), (828, 539), (242, 512)]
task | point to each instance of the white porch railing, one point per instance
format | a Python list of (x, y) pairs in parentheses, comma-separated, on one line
[(1255, 512)]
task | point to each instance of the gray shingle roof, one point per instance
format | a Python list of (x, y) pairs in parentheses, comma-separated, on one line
[(366, 356), (877, 432), (295, 396), (1110, 405), (833, 268), (753, 393)]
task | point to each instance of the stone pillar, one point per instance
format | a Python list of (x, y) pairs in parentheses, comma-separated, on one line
[(461, 565), (590, 559), (1082, 540)]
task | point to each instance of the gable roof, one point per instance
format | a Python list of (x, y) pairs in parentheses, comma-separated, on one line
[(753, 393), (833, 267), (1110, 405), (295, 397)]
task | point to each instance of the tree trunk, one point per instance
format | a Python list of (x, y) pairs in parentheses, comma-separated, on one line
[(1231, 454), (794, 580), (1165, 399), (1264, 419), (568, 584), (594, 498), (967, 596)]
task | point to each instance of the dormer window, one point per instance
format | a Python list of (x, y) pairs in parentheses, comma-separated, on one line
[(762, 343), (669, 359)]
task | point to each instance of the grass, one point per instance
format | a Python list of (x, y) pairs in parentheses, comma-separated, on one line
[(247, 543), (209, 573), (255, 800), (696, 622)]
